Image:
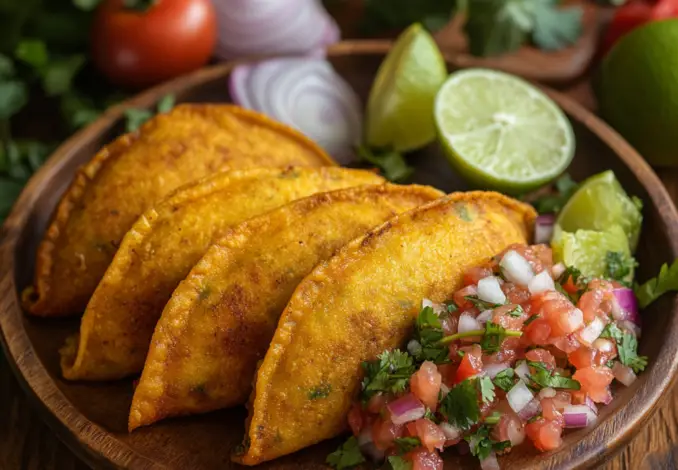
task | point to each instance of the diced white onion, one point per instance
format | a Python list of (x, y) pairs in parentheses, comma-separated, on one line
[(591, 332), (630, 327), (437, 308), (468, 323), (516, 432), (484, 316), (451, 432), (489, 290), (522, 370), (490, 462), (444, 390), (491, 370), (558, 270), (516, 268), (542, 282), (547, 393), (519, 396), (603, 345), (624, 374)]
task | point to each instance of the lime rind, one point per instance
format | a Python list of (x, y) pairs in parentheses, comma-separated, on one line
[(501, 132)]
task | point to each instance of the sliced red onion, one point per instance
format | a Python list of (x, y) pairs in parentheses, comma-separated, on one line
[(542, 282), (272, 27), (484, 316), (578, 416), (543, 228), (519, 396), (547, 393), (451, 432), (523, 370), (532, 409), (623, 373), (306, 94), (628, 303), (468, 323), (489, 290), (405, 409), (516, 269), (490, 462), (558, 270), (491, 370), (591, 332)]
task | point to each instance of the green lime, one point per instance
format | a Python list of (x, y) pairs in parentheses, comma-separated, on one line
[(400, 107), (587, 250), (501, 132), (599, 203), (638, 90)]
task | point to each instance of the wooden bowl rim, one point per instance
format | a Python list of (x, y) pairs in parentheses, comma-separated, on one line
[(66, 420)]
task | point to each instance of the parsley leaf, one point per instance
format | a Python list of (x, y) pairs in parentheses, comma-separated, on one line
[(398, 463), (406, 444), (391, 163), (547, 379), (666, 281), (486, 389), (504, 379), (390, 373), (481, 445), (460, 405), (481, 304), (619, 266), (346, 456), (428, 333), (553, 203)]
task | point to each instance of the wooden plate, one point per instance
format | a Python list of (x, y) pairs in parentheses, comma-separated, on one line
[(91, 418)]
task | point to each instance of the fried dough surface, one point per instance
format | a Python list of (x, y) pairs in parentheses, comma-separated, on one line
[(359, 303), (162, 247), (126, 177), (221, 318)]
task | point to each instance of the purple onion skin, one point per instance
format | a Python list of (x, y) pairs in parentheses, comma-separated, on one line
[(629, 303)]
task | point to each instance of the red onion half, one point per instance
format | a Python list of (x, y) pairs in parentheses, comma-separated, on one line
[(306, 94), (272, 27)]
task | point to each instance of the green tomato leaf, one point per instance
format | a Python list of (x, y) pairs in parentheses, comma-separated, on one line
[(13, 97)]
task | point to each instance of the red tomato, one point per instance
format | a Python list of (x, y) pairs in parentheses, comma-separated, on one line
[(384, 432), (550, 411), (595, 382), (471, 364), (425, 384), (430, 435), (475, 274), (424, 460), (542, 355), (544, 434), (140, 48), (537, 332), (355, 418), (459, 297)]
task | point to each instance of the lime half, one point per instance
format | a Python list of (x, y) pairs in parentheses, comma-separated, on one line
[(501, 132), (400, 107), (587, 250), (599, 203)]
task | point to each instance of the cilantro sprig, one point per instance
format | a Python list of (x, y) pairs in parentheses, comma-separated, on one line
[(481, 304), (406, 444), (627, 347), (666, 281), (428, 333), (505, 379), (390, 373), (481, 444), (347, 456), (544, 378), (492, 336), (619, 266)]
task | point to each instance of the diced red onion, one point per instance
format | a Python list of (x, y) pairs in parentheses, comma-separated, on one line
[(591, 332), (405, 409), (272, 27), (623, 373), (519, 396), (530, 410), (547, 393), (489, 290), (591, 404), (628, 303), (515, 268), (543, 228), (542, 282), (522, 370), (558, 270), (468, 323), (484, 316), (490, 462), (306, 94), (516, 432), (491, 370), (451, 432), (578, 416), (437, 308)]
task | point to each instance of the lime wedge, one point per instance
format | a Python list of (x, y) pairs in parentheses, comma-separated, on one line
[(501, 132), (587, 250), (599, 203), (400, 107)]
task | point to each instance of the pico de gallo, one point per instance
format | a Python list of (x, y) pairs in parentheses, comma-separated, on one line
[(523, 351)]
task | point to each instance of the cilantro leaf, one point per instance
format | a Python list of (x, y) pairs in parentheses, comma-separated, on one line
[(619, 266), (517, 312), (481, 444), (494, 336), (556, 28), (166, 103), (398, 463), (406, 444), (628, 353), (346, 456), (611, 330), (428, 333), (481, 304), (390, 373), (430, 415), (553, 203), (460, 405), (495, 27), (427, 318), (391, 163), (547, 379), (486, 389), (137, 117), (666, 280), (505, 379)]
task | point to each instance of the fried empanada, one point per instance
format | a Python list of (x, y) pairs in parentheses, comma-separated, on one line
[(220, 320), (162, 247), (359, 303), (128, 176)]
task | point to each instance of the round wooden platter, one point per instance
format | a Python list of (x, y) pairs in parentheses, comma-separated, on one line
[(91, 418)]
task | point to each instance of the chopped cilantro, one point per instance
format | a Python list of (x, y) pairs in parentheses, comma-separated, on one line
[(530, 320), (428, 333), (461, 353), (495, 335), (574, 273), (460, 406), (481, 445), (493, 418), (398, 463), (516, 312), (481, 304), (553, 203), (627, 347), (547, 379), (486, 389), (452, 307), (346, 456), (505, 379), (619, 266), (430, 415), (406, 444), (666, 280), (390, 373), (611, 330)]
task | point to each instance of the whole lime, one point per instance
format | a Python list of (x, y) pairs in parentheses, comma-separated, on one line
[(638, 90)]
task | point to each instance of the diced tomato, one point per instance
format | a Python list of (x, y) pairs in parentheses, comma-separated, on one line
[(377, 403), (502, 316), (563, 317), (355, 419), (475, 274), (508, 352), (595, 382), (562, 399), (550, 411), (425, 384), (448, 372), (459, 297), (509, 426), (566, 344), (384, 432), (590, 304), (424, 460), (582, 357), (537, 332), (541, 355), (430, 435), (515, 294), (578, 397), (471, 364), (545, 434)]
